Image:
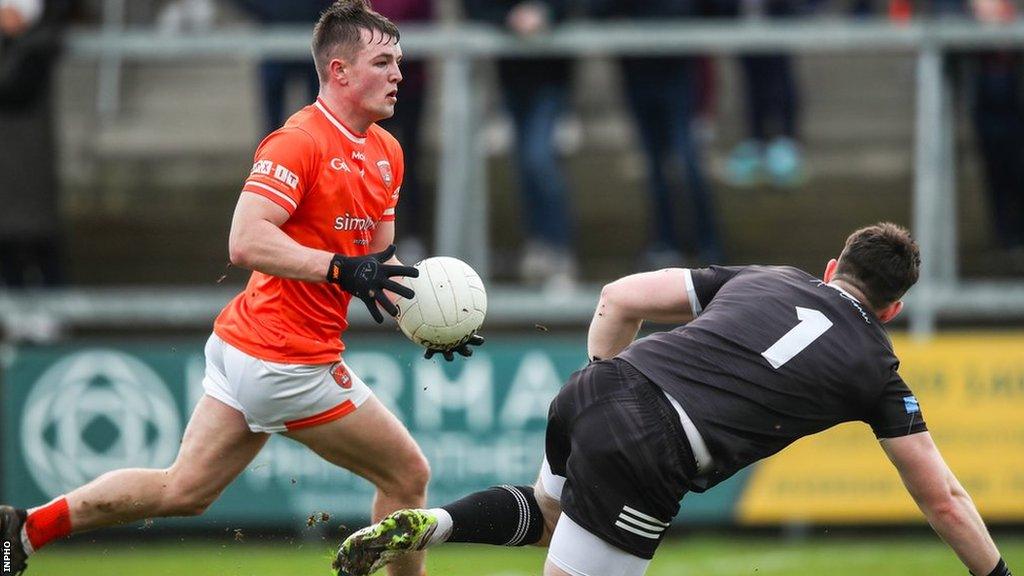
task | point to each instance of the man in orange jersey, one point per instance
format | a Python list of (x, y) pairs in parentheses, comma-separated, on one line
[(315, 221)]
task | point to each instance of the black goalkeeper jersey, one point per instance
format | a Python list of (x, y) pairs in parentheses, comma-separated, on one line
[(773, 355)]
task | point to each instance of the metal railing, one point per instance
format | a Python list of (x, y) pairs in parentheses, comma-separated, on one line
[(462, 201)]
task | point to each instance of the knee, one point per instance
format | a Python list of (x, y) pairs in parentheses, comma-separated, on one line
[(551, 510), (409, 480), (416, 476)]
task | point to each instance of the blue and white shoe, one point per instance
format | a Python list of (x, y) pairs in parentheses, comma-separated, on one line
[(784, 163), (745, 166)]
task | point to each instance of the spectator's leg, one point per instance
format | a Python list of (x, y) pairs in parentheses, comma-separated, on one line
[(545, 194), (779, 78), (783, 159), (412, 223), (44, 255), (536, 101), (777, 96), (745, 165), (757, 88), (647, 104), (12, 263), (997, 124), (273, 77), (1015, 195), (405, 126), (687, 151)]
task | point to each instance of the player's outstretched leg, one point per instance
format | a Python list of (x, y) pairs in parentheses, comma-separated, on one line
[(501, 516), (11, 521), (373, 547)]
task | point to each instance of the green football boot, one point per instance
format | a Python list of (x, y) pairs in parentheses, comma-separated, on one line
[(375, 546)]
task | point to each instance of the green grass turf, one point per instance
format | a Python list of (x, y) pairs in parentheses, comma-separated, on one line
[(719, 556)]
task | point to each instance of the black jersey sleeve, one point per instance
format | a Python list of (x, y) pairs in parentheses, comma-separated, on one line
[(896, 412), (703, 283)]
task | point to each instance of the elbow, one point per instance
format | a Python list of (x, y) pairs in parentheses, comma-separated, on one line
[(611, 298), (239, 253), (618, 301), (948, 509), (948, 515)]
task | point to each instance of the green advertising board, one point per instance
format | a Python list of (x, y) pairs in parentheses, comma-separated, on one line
[(71, 413)]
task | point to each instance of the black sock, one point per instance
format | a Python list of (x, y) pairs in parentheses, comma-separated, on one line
[(501, 515)]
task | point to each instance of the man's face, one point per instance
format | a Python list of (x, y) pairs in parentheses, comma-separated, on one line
[(373, 76)]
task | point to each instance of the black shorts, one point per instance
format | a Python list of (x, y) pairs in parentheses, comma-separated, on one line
[(618, 442)]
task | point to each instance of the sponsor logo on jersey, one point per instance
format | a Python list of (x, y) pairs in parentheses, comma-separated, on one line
[(268, 168), (911, 405), (339, 164), (385, 171), (286, 176), (262, 167), (349, 222), (357, 155)]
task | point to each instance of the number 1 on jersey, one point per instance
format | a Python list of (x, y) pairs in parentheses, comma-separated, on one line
[(812, 325)]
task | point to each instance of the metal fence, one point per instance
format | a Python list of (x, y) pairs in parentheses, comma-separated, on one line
[(462, 197)]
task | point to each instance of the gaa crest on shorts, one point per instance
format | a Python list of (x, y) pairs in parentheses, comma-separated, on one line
[(385, 171), (340, 374)]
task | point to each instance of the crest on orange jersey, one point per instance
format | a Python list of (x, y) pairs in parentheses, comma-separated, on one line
[(385, 171)]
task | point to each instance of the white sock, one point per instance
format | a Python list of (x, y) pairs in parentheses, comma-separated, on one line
[(444, 526), (27, 544)]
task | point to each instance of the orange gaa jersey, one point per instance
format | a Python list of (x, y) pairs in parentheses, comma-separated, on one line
[(338, 186)]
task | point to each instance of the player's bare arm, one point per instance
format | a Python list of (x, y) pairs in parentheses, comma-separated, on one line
[(256, 242), (944, 502), (383, 237), (381, 240), (658, 296)]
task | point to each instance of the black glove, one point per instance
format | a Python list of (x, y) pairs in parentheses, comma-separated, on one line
[(367, 277), (463, 349)]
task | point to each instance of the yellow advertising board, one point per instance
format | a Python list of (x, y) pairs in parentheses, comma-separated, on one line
[(971, 390)]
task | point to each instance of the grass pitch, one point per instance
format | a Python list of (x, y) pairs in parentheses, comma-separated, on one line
[(706, 556)]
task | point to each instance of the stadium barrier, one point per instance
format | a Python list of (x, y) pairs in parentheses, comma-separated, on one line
[(461, 224), (71, 412)]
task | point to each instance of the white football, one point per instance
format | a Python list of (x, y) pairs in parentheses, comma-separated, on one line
[(449, 305)]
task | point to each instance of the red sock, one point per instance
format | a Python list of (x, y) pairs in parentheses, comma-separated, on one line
[(48, 523)]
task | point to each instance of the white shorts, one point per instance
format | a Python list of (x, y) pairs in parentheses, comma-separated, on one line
[(577, 551), (277, 397), (580, 553)]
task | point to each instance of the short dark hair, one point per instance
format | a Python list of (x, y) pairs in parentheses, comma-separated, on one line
[(882, 261), (337, 32)]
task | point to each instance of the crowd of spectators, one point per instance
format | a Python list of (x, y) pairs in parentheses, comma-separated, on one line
[(666, 97)]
